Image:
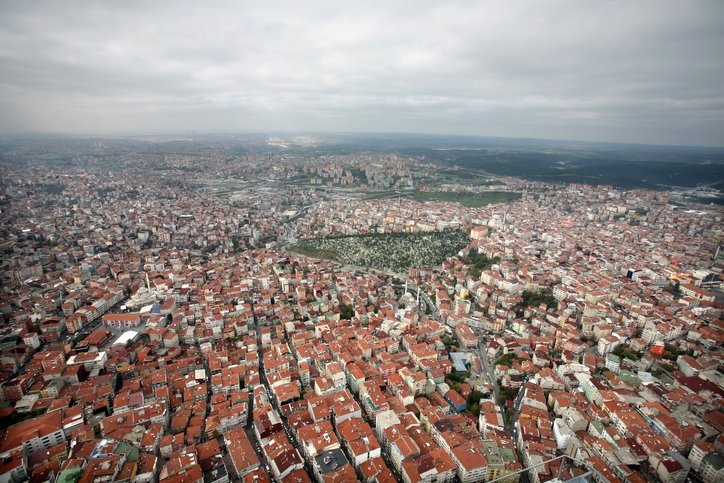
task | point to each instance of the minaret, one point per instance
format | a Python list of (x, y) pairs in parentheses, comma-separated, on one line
[(148, 283)]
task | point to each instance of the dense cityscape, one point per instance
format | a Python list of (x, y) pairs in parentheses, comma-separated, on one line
[(276, 315)]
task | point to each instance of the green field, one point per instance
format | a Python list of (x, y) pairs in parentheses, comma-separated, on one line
[(380, 195), (392, 252), (470, 200)]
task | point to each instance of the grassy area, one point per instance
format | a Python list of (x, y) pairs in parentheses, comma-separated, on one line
[(393, 252), (467, 176), (305, 247), (470, 200), (381, 195), (301, 179)]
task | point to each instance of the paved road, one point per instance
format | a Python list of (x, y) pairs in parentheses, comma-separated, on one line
[(412, 288), (290, 230), (510, 425), (482, 349), (262, 376)]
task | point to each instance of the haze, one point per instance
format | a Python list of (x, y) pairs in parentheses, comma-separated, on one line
[(644, 72)]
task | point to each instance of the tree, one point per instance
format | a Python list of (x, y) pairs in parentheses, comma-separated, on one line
[(506, 394), (478, 262), (507, 359), (508, 414), (346, 312), (625, 352), (449, 341), (16, 417), (474, 409), (209, 248), (475, 397), (457, 377), (535, 298), (235, 243)]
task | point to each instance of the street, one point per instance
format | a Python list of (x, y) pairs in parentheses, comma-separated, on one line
[(412, 288)]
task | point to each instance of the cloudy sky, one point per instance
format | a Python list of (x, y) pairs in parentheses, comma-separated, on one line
[(641, 71)]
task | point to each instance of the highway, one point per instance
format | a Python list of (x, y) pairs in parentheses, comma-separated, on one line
[(290, 232)]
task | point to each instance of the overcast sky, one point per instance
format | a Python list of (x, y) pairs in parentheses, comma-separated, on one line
[(631, 71)]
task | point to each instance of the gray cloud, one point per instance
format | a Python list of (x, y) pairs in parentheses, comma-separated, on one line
[(619, 71)]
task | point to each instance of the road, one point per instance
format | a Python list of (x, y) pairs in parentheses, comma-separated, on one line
[(412, 288), (262, 377), (510, 425), (290, 232), (482, 349), (248, 430)]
